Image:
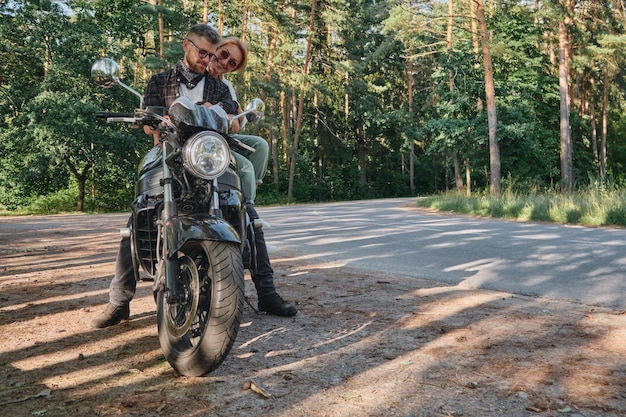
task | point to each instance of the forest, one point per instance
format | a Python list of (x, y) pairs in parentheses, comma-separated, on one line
[(364, 98)]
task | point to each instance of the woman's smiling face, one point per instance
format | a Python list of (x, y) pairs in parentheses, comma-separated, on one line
[(229, 59)]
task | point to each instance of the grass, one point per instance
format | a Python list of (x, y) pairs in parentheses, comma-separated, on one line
[(590, 207)]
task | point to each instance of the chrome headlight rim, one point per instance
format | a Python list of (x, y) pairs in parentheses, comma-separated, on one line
[(206, 146)]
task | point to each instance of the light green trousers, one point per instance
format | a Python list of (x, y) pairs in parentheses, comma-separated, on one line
[(252, 165)]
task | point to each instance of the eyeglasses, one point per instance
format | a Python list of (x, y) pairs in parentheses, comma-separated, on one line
[(202, 53), (224, 55)]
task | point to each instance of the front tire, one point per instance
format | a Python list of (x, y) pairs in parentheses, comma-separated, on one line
[(197, 334)]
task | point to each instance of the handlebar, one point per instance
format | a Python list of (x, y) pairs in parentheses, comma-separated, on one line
[(136, 118), (104, 115), (152, 117)]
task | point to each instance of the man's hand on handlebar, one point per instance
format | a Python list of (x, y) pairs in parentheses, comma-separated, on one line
[(156, 135), (234, 127)]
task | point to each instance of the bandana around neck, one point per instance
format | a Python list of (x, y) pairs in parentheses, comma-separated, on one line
[(187, 76)]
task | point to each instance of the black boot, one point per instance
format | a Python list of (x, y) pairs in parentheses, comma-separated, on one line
[(274, 304), (111, 315)]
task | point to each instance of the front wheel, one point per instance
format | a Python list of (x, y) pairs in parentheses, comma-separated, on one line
[(197, 333)]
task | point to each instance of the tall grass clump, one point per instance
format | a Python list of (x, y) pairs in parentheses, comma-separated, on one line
[(594, 205)]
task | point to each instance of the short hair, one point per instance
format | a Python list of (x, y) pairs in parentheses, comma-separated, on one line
[(205, 31), (243, 48)]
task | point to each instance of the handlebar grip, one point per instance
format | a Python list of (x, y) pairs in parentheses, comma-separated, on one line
[(122, 119), (104, 115)]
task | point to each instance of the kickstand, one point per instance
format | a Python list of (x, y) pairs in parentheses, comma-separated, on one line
[(252, 307)]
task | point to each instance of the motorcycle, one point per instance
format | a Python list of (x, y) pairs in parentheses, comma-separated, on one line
[(189, 229)]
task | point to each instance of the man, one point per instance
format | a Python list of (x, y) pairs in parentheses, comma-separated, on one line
[(190, 78)]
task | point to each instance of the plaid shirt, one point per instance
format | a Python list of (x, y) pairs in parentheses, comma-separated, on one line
[(164, 88)]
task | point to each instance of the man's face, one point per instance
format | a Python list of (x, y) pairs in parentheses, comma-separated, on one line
[(198, 53)]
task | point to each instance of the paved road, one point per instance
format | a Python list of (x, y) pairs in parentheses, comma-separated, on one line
[(562, 262)]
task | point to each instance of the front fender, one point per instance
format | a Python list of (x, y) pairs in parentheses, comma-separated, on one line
[(198, 227)]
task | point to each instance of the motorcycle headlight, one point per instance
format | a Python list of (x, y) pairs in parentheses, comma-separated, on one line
[(206, 155)]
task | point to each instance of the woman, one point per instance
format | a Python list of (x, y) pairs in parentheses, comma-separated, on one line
[(232, 56)]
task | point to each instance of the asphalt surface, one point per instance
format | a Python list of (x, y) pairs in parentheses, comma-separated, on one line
[(391, 237), (572, 263)]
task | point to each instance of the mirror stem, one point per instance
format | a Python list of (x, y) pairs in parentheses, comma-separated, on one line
[(117, 80)]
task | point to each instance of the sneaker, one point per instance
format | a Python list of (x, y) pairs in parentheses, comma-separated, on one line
[(111, 315), (274, 304)]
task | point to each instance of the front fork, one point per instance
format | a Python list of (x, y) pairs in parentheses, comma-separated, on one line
[(173, 291)]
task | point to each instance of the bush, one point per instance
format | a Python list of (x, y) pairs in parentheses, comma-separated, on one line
[(62, 201)]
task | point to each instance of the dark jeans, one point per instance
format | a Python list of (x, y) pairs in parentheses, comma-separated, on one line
[(264, 277), (123, 284)]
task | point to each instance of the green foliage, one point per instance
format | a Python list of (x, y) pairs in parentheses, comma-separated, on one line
[(62, 201), (357, 124)]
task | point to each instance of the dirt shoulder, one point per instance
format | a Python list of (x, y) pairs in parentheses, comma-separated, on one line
[(361, 345)]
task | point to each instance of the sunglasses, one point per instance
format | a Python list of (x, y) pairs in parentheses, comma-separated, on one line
[(202, 53), (223, 55)]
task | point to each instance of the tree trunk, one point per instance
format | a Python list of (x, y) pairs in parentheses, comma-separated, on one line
[(411, 139), (458, 168), (220, 16), (269, 67), (244, 24), (474, 26), (273, 142), (592, 121), (285, 134), (161, 32), (346, 97), (566, 133), (361, 155), (81, 179), (296, 138), (605, 113), (479, 101), (494, 147), (80, 203), (449, 40), (47, 63), (468, 178), (446, 174), (458, 178)]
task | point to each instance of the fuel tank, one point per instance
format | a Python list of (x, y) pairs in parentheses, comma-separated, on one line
[(150, 174)]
